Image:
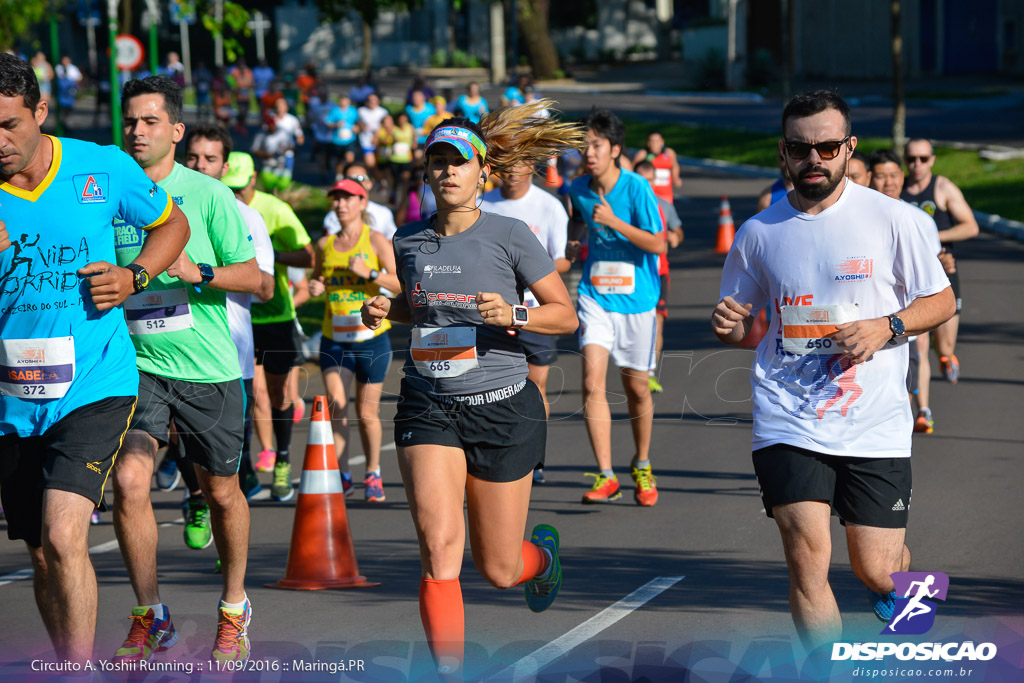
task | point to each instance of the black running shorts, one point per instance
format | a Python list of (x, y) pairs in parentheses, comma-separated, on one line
[(209, 418), (278, 346), (504, 440), (76, 454), (539, 349), (863, 491)]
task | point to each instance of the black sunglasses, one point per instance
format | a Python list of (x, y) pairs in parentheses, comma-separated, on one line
[(826, 150), (921, 159), (360, 178)]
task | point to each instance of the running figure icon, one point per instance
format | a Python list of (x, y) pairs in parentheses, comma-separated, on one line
[(915, 606)]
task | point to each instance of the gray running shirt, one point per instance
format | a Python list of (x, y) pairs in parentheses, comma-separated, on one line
[(441, 276)]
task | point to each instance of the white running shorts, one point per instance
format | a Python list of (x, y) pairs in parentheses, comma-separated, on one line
[(628, 336)]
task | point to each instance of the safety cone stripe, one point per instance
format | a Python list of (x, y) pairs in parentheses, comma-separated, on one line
[(320, 481), (320, 434)]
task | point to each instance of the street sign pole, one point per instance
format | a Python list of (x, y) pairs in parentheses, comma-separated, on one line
[(55, 60), (115, 84), (186, 52)]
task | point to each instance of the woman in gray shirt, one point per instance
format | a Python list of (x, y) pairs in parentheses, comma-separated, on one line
[(470, 426)]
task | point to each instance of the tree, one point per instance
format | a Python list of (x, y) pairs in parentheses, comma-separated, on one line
[(368, 11), (532, 18), (17, 17), (899, 101)]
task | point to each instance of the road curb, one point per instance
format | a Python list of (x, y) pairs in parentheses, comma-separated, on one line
[(991, 223)]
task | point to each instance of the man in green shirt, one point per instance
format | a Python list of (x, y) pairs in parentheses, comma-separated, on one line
[(189, 373), (275, 333)]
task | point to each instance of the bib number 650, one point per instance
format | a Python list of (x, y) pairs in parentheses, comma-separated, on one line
[(823, 343)]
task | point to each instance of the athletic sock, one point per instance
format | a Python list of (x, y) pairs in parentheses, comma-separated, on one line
[(234, 605), (608, 473), (444, 622), (188, 474), (536, 561), (282, 420), (159, 612), (197, 497), (642, 464), (375, 472)]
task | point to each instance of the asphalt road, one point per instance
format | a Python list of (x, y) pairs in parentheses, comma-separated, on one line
[(695, 586)]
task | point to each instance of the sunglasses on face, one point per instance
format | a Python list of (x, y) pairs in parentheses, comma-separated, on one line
[(826, 150), (920, 160), (360, 178)]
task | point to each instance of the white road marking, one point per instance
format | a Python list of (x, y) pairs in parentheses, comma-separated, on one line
[(528, 667), (23, 574)]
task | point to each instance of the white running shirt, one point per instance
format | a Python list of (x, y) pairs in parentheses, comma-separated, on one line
[(866, 250), (239, 318)]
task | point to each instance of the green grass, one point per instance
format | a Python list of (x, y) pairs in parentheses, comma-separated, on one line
[(990, 186)]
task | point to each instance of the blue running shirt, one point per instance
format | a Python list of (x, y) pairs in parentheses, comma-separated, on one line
[(606, 276), (53, 338)]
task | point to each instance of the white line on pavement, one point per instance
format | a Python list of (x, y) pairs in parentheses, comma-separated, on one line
[(23, 574), (528, 667)]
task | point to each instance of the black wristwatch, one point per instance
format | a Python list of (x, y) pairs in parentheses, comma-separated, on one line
[(206, 270), (897, 327), (140, 276), (374, 274)]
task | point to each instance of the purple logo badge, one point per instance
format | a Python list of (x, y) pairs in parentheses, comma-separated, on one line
[(914, 613)]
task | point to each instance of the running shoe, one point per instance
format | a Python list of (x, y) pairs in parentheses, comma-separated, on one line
[(198, 534), (232, 644), (265, 460), (147, 636), (282, 489), (167, 475), (95, 518), (604, 490), (347, 487), (646, 492), (541, 592), (538, 476), (883, 605), (299, 411), (2, 515), (217, 567), (924, 423), (374, 488), (251, 486), (950, 368), (654, 385)]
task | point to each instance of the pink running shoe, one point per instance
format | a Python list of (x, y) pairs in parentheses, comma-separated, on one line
[(300, 410), (265, 461)]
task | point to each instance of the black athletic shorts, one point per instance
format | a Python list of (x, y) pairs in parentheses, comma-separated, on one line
[(666, 285), (503, 438), (278, 346), (863, 491), (540, 349), (76, 454), (209, 418)]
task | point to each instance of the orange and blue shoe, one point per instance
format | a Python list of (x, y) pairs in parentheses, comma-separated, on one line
[(646, 491), (950, 368), (924, 424), (374, 488), (604, 490), (232, 644), (541, 592), (147, 636)]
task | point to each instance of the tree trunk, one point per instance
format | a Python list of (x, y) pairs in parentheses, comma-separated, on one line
[(126, 17), (533, 21), (899, 103), (367, 41)]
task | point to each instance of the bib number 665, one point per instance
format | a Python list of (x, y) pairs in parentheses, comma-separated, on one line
[(439, 365)]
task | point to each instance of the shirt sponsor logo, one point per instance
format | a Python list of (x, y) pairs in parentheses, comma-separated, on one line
[(431, 271), (34, 356), (90, 188), (854, 269), (452, 299)]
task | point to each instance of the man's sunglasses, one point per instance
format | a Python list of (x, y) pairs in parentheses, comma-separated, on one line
[(360, 178), (922, 160), (826, 150)]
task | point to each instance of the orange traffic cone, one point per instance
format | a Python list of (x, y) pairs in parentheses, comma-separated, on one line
[(726, 229), (757, 331), (553, 179), (321, 554)]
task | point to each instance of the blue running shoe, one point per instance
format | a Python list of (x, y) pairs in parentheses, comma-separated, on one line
[(883, 605), (167, 475), (541, 592)]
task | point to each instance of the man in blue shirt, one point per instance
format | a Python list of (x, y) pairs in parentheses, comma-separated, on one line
[(68, 380), (617, 299)]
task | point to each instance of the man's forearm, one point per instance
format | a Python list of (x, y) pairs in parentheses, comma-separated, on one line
[(164, 243), (299, 258), (928, 312), (244, 278), (652, 242)]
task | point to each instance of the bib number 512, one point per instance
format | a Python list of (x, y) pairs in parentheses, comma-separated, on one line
[(439, 365), (823, 343)]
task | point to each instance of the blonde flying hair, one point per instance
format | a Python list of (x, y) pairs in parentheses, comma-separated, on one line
[(517, 136)]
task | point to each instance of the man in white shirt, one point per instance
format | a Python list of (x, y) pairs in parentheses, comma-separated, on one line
[(371, 115), (519, 198), (850, 275), (276, 145)]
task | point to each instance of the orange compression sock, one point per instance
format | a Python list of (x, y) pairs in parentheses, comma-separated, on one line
[(535, 561), (444, 622)]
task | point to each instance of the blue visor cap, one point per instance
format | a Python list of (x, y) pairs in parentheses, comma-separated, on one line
[(466, 141)]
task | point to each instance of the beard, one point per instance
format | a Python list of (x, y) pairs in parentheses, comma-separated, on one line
[(817, 191)]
